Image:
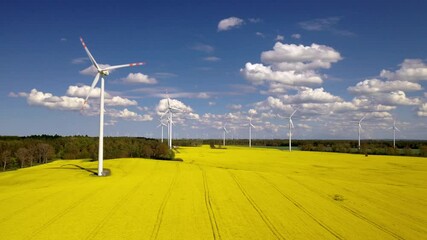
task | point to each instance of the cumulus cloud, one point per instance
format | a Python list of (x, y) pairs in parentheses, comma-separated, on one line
[(300, 57), (258, 74), (410, 70), (38, 98), (139, 78), (309, 95), (79, 60), (82, 92), (129, 115), (163, 106), (230, 23), (422, 110), (119, 101), (370, 86)]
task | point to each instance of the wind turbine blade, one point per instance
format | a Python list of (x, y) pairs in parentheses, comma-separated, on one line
[(362, 119), (397, 129), (124, 65), (293, 112), (95, 81), (89, 54), (250, 124), (291, 122)]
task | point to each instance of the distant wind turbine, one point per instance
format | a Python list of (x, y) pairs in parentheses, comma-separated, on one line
[(360, 128), (170, 110), (101, 73), (250, 131), (394, 133), (225, 131), (291, 125), (162, 124)]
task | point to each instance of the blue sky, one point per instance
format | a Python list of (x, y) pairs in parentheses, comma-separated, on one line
[(220, 61)]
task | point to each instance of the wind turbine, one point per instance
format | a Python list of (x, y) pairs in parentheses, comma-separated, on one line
[(394, 133), (291, 125), (170, 110), (101, 73), (360, 128), (162, 124), (250, 131), (225, 131)]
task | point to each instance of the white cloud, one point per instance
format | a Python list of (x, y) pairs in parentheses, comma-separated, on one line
[(370, 86), (410, 70), (422, 110), (284, 56), (260, 34), (309, 95), (129, 115), (230, 23), (212, 59), (82, 92), (163, 105), (38, 98), (296, 36), (254, 20), (91, 71), (234, 106), (211, 103), (203, 48), (252, 112), (258, 74), (119, 101), (139, 78), (279, 38)]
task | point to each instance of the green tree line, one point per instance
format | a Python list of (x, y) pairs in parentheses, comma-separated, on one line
[(20, 152)]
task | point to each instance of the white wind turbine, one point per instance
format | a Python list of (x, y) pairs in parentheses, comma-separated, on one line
[(162, 124), (101, 73), (394, 133), (291, 125), (250, 131), (170, 110), (225, 131), (360, 129)]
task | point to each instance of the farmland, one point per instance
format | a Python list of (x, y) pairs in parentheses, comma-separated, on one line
[(233, 193)]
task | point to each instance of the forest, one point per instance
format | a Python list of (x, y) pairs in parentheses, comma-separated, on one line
[(20, 152)]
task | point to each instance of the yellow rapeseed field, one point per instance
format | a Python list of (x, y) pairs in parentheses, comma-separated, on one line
[(233, 193)]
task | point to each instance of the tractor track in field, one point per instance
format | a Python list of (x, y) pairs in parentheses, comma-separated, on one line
[(32, 204), (116, 206), (62, 213), (300, 207), (352, 211), (263, 216), (160, 213), (208, 202)]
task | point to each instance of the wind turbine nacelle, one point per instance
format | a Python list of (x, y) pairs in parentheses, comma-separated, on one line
[(105, 72)]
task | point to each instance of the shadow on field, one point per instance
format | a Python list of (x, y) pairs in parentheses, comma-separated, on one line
[(77, 167)]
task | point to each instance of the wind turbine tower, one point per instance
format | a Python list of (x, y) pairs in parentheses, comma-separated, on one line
[(291, 125), (360, 129), (101, 73), (250, 131), (394, 133), (225, 131), (169, 111), (162, 124)]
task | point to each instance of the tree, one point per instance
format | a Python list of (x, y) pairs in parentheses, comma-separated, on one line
[(45, 152), (6, 156), (23, 155)]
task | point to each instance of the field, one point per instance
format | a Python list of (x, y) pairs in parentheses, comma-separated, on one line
[(233, 193)]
